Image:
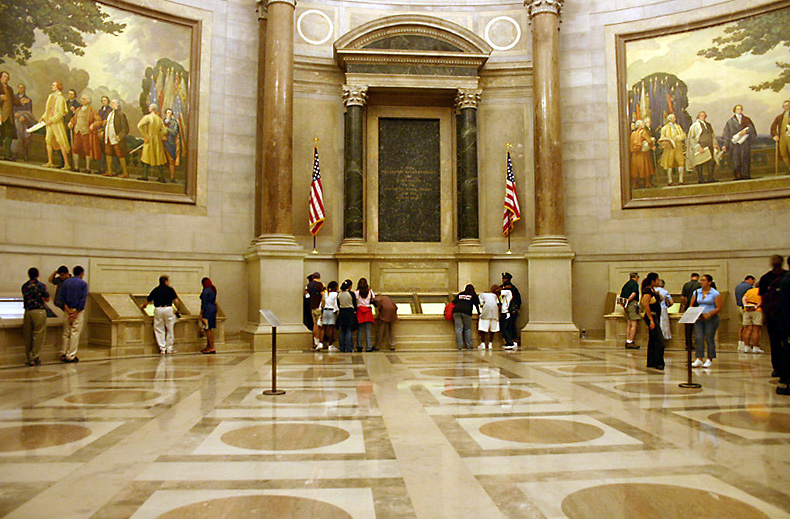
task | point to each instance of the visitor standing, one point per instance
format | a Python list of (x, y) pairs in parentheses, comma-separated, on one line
[(34, 322), (364, 314), (74, 295), (164, 297), (208, 313), (463, 304)]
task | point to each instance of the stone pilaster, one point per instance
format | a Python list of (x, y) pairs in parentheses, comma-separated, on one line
[(355, 100), (549, 254)]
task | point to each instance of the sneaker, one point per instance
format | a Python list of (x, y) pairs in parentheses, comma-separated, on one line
[(170, 351), (490, 346), (332, 347), (757, 349), (708, 363), (72, 360), (697, 363), (482, 346), (320, 346), (743, 348), (509, 346)]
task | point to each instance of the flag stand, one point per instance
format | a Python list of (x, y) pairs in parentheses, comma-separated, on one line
[(508, 244), (315, 251)]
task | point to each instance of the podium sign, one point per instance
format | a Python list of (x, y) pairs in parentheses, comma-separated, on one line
[(270, 318)]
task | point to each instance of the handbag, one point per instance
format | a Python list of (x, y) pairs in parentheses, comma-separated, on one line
[(448, 311)]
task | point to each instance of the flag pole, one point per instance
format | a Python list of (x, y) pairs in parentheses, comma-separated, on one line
[(315, 141), (508, 147)]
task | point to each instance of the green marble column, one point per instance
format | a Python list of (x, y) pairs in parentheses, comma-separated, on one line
[(466, 155), (353, 176)]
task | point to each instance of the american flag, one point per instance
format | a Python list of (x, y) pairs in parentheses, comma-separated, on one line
[(512, 210), (316, 198)]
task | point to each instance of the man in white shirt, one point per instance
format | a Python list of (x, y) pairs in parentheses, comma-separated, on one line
[(488, 322)]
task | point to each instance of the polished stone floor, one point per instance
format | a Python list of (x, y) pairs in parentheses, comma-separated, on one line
[(576, 434)]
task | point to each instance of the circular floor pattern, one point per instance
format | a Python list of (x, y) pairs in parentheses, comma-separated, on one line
[(738, 366), (654, 501), (28, 374), (258, 507), (428, 359), (304, 396), (284, 437), (593, 370), (163, 375), (765, 420), (312, 373), (113, 396), (546, 356), (451, 372), (541, 430), (495, 393), (311, 359), (38, 436), (656, 388)]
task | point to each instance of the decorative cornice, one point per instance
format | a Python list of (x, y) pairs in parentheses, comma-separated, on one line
[(535, 7), (355, 95), (292, 3), (467, 99), (262, 8)]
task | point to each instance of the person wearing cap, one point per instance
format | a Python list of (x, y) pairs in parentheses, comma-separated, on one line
[(315, 291), (513, 308)]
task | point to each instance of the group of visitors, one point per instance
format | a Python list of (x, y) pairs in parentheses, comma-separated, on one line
[(71, 296), (497, 311), (340, 308)]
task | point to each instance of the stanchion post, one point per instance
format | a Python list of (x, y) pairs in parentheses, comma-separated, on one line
[(689, 384), (273, 321)]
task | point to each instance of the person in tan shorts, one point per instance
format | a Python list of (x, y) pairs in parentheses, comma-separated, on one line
[(752, 319)]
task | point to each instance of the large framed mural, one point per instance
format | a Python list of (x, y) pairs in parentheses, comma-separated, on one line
[(99, 98), (704, 110)]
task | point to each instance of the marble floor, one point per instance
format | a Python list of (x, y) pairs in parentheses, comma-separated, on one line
[(579, 434)]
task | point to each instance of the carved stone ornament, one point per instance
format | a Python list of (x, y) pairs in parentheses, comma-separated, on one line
[(355, 95), (261, 7), (289, 2), (467, 99), (535, 7)]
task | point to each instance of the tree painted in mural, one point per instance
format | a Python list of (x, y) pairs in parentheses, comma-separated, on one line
[(656, 96), (63, 21), (755, 35)]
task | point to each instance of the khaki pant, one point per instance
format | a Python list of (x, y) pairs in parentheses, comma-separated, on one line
[(164, 323), (384, 335), (34, 331), (72, 329)]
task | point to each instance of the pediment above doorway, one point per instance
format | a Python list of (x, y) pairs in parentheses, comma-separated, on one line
[(411, 45)]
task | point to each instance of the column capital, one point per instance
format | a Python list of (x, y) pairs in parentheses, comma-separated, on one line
[(355, 95), (467, 98), (535, 7), (262, 8), (270, 2)]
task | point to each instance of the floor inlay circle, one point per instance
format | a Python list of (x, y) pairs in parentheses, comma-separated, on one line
[(593, 370), (38, 436), (312, 373), (113, 396), (285, 436), (656, 388), (495, 393), (28, 374), (258, 507), (311, 359), (767, 421), (163, 375), (654, 501), (304, 396), (546, 356), (541, 430), (451, 372)]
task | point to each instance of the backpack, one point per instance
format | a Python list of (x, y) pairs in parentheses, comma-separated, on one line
[(772, 298)]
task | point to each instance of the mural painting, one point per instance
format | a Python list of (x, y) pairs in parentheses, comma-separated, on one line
[(706, 112), (96, 93)]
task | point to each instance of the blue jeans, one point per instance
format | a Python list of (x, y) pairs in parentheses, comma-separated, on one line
[(706, 332), (346, 339), (364, 330), (463, 330)]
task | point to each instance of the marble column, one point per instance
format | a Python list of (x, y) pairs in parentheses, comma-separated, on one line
[(472, 261), (353, 262), (263, 14), (549, 255), (275, 262)]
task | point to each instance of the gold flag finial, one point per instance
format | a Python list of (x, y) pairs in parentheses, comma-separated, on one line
[(509, 146)]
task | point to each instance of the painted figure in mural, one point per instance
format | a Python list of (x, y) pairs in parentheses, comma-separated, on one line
[(54, 113), (702, 144), (72, 103), (154, 134), (8, 100), (104, 112), (172, 143), (116, 128), (672, 142), (641, 163), (780, 132), (85, 124), (738, 135), (23, 119), (655, 133)]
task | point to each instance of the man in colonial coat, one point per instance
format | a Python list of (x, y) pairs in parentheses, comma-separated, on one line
[(54, 113), (8, 100), (641, 144), (154, 134), (739, 134), (84, 126), (671, 141), (700, 152), (780, 132)]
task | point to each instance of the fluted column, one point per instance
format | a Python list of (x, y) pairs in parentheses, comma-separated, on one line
[(354, 99), (549, 255), (466, 155), (276, 200)]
